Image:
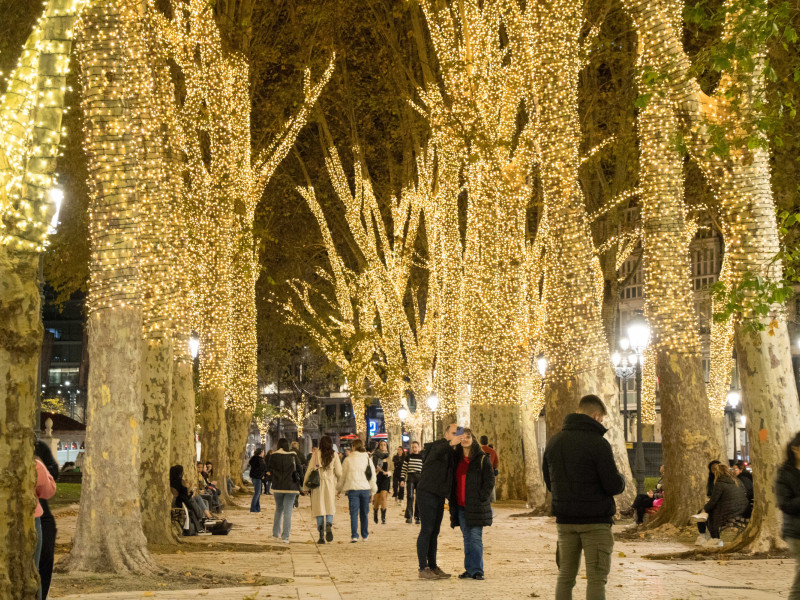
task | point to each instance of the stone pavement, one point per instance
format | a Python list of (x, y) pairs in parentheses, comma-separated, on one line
[(518, 557)]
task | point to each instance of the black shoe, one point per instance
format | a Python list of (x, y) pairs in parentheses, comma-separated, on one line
[(321, 539), (465, 575), (328, 532), (383, 516), (375, 515), (478, 576), (408, 520), (416, 521)]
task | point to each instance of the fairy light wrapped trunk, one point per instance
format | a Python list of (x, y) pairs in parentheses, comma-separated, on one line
[(741, 183), (669, 303), (28, 154), (110, 54), (574, 339)]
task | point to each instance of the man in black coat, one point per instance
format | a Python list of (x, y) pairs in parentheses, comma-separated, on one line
[(435, 484), (580, 472)]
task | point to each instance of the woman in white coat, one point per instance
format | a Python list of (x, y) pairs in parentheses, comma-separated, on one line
[(358, 482), (323, 498)]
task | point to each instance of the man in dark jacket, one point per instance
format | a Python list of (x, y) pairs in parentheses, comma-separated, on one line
[(435, 484), (580, 472), (257, 470)]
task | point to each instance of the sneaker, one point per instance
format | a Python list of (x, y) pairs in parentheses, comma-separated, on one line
[(426, 573), (714, 543), (465, 575), (353, 540), (204, 533), (285, 541), (478, 576), (441, 574), (364, 539), (700, 517), (702, 539)]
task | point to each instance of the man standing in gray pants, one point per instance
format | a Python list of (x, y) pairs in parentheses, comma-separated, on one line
[(580, 472)]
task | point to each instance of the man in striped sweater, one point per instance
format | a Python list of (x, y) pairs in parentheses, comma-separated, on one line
[(409, 478)]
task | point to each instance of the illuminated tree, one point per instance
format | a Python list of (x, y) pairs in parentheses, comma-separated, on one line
[(30, 132)]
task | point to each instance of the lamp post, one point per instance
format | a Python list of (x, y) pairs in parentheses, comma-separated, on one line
[(624, 362), (639, 338), (733, 399), (433, 404), (402, 413)]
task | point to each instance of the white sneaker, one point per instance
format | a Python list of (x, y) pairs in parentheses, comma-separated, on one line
[(285, 541), (714, 543), (702, 539), (203, 533), (353, 540), (363, 539), (700, 517)]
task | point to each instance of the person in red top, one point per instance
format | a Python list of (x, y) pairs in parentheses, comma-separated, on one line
[(492, 453), (469, 502)]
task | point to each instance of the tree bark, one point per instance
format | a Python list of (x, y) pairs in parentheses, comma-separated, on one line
[(183, 450), (500, 423), (238, 424), (214, 436), (20, 342), (108, 536), (773, 417), (536, 492), (155, 440)]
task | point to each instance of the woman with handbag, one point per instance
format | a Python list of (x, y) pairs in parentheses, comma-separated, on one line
[(383, 479), (323, 473), (358, 482), (286, 479)]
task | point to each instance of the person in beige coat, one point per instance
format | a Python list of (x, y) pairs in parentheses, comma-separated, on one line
[(323, 498)]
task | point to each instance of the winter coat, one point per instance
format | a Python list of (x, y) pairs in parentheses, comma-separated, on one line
[(438, 468), (728, 501), (45, 486), (283, 466), (787, 490), (323, 498), (397, 465), (353, 474), (580, 471), (478, 489), (257, 467)]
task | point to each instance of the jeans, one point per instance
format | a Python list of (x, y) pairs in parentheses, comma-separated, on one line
[(284, 503), (359, 508), (473, 545), (794, 548), (431, 511), (596, 542), (411, 489), (38, 553), (322, 520), (255, 503), (268, 487)]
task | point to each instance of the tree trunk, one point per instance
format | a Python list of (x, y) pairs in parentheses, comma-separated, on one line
[(155, 441), (108, 536), (773, 417), (500, 423), (536, 491), (238, 424), (183, 450), (20, 342), (395, 436), (214, 437)]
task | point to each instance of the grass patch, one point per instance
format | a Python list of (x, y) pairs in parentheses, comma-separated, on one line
[(650, 483), (66, 494)]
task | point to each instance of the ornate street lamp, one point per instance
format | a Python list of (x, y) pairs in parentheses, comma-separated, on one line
[(433, 404)]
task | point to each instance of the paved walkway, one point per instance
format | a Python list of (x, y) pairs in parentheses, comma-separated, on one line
[(519, 562)]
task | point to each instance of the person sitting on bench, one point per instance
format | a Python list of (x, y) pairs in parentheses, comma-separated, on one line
[(195, 514), (728, 501)]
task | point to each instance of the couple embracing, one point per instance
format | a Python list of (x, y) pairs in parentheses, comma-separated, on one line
[(455, 469)]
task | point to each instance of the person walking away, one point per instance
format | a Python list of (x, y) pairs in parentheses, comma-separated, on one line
[(435, 485), (492, 454), (285, 467), (257, 470), (397, 462), (728, 500), (295, 447), (469, 503), (787, 491), (580, 472), (267, 475), (47, 521), (409, 479), (326, 462), (358, 484), (45, 489), (383, 479)]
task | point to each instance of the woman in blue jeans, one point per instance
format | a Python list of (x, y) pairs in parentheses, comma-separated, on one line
[(286, 477), (358, 482), (469, 503)]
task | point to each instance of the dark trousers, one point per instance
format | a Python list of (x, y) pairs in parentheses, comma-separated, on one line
[(411, 505), (48, 551), (640, 504), (431, 511), (397, 491)]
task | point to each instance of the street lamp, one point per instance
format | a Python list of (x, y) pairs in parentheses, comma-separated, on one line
[(194, 346), (433, 404), (733, 398), (541, 364), (402, 413), (624, 363)]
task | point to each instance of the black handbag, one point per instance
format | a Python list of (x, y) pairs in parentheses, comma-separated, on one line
[(368, 471), (313, 480)]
